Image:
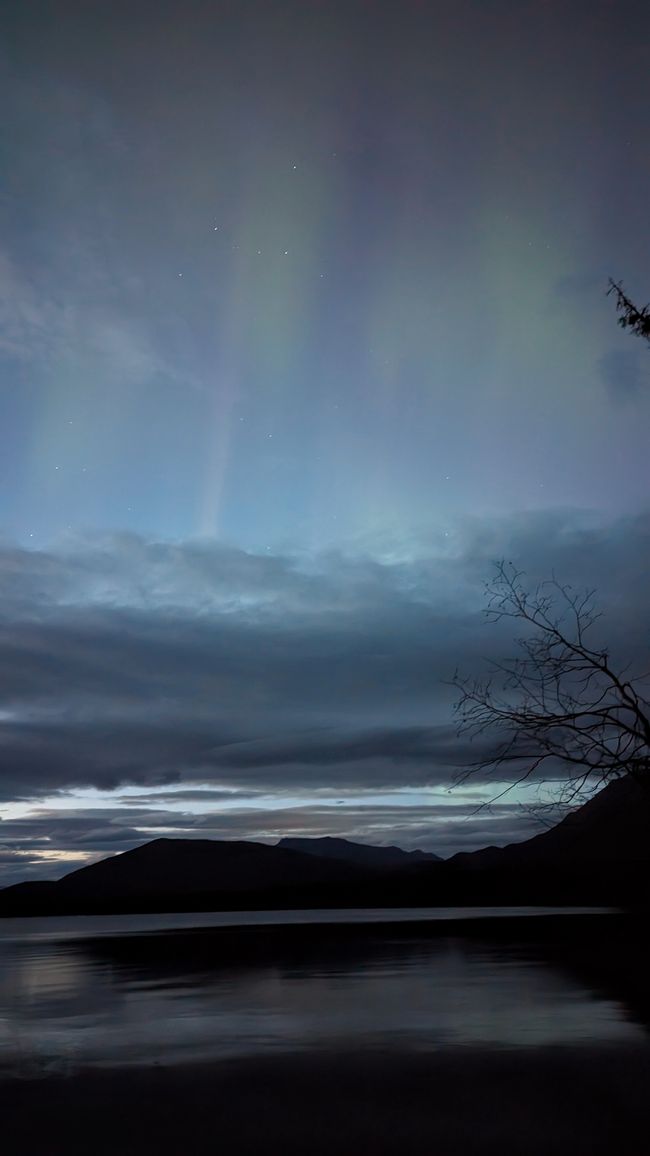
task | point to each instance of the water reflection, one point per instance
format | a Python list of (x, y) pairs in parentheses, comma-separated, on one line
[(190, 995)]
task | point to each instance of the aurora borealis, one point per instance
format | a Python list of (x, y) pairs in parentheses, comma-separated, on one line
[(302, 323)]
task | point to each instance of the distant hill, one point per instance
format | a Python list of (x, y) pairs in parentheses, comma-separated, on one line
[(598, 854), (611, 829), (168, 874), (179, 866), (363, 854)]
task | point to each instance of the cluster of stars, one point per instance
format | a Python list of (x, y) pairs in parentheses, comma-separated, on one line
[(215, 229)]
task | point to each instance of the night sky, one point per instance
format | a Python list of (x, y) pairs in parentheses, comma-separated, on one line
[(303, 324)]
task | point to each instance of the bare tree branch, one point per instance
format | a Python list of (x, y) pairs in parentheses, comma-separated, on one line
[(560, 702)]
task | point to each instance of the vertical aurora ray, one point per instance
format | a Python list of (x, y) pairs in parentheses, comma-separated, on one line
[(270, 316), (416, 218)]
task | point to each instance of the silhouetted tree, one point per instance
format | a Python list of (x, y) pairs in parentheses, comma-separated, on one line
[(631, 317), (560, 701)]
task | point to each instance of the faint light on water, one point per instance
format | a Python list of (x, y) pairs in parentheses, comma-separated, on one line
[(116, 998)]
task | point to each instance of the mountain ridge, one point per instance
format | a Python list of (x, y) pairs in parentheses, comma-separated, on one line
[(365, 854), (598, 854), (613, 826)]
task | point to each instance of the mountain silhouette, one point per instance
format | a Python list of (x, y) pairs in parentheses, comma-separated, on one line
[(610, 829), (168, 874), (363, 854), (598, 854), (179, 866)]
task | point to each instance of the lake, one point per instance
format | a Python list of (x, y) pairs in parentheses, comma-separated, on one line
[(161, 989), (87, 999)]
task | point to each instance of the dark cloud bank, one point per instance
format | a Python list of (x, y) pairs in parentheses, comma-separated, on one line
[(268, 694)]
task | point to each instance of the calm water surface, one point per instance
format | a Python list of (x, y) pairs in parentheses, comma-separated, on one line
[(156, 990)]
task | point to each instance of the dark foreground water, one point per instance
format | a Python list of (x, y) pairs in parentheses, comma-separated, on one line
[(282, 1031)]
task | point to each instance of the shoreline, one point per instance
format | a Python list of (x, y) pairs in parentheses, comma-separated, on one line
[(494, 926), (589, 1100)]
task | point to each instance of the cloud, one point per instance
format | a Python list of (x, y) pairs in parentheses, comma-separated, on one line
[(126, 661), (42, 324), (26, 845), (426, 747), (622, 373)]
